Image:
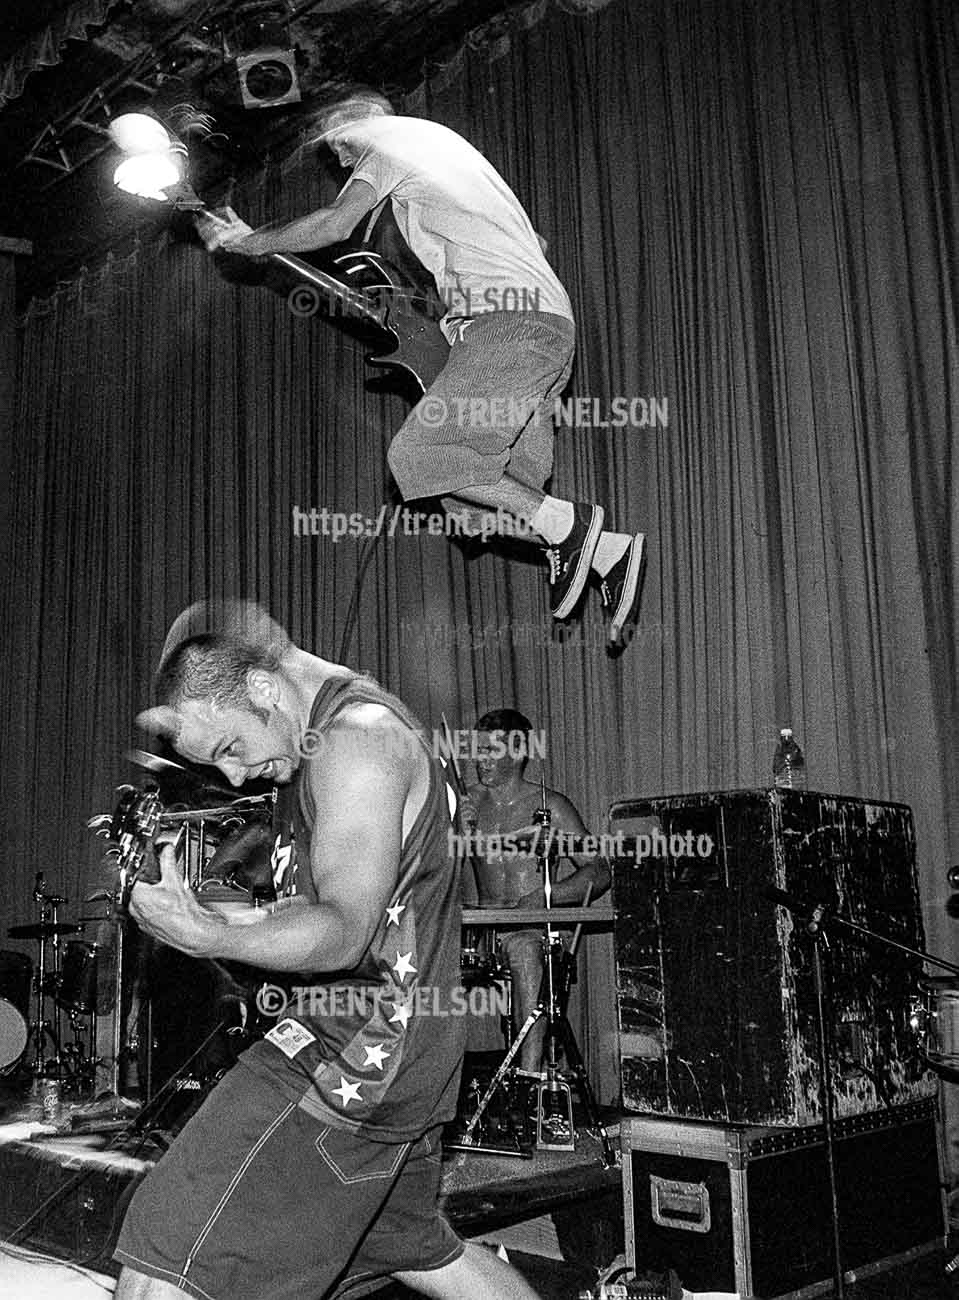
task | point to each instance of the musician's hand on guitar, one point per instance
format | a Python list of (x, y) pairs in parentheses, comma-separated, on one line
[(228, 232), (171, 913)]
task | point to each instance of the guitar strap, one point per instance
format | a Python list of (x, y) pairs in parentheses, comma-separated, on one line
[(373, 218), (381, 234)]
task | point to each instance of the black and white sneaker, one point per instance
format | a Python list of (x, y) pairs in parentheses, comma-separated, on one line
[(569, 560), (622, 587)]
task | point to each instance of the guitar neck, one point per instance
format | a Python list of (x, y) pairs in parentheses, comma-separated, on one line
[(356, 303)]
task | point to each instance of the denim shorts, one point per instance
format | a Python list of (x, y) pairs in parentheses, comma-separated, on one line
[(489, 411), (256, 1198)]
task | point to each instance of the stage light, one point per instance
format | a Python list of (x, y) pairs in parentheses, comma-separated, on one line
[(148, 175), (154, 156), (139, 133), (268, 77)]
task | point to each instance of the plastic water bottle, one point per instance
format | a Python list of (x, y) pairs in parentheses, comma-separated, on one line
[(789, 766)]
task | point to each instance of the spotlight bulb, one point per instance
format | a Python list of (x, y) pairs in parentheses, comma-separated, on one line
[(147, 175), (139, 133)]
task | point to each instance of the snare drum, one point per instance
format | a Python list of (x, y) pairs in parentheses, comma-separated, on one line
[(935, 1019), (13, 1036), (470, 949), (78, 979), (481, 961)]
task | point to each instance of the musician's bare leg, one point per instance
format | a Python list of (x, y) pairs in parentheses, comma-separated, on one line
[(138, 1286), (478, 1274), (524, 953)]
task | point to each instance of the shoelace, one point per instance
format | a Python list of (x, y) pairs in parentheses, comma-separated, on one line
[(555, 563)]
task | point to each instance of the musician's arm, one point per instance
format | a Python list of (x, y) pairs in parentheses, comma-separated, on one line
[(317, 229), (570, 890), (359, 792), (466, 822)]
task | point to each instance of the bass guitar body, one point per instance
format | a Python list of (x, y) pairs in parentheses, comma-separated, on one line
[(421, 349)]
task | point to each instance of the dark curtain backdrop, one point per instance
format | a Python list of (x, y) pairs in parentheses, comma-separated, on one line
[(754, 208)]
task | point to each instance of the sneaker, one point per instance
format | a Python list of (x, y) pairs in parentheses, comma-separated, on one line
[(569, 560), (623, 586)]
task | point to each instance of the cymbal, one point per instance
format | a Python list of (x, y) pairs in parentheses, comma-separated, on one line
[(41, 931), (154, 763), (176, 780)]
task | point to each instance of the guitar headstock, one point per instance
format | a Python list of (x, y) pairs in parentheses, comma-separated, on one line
[(136, 820)]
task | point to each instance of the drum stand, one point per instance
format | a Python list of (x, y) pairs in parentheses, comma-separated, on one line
[(80, 1075), (555, 1129), (43, 1030), (554, 996)]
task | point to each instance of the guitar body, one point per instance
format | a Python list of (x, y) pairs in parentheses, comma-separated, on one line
[(421, 349), (372, 292)]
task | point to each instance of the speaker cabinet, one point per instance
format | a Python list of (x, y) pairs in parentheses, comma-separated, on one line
[(714, 979)]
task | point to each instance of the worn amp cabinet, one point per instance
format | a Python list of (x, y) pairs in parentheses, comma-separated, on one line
[(714, 980), (746, 1211)]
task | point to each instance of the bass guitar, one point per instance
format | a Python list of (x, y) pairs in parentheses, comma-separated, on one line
[(372, 293)]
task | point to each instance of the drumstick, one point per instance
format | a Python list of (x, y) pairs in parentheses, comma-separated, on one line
[(460, 785), (448, 737)]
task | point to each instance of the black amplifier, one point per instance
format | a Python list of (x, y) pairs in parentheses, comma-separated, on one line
[(714, 979)]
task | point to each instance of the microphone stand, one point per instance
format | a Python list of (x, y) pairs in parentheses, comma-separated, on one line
[(817, 920)]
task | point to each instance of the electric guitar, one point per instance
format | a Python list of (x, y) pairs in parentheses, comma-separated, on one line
[(138, 819), (133, 827), (377, 295)]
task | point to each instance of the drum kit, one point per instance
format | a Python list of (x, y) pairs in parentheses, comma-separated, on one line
[(51, 1009), (503, 1129), (39, 1000)]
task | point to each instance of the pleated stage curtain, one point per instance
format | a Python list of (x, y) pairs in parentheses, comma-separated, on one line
[(754, 208)]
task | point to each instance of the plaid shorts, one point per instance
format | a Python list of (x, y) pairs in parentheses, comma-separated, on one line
[(256, 1198)]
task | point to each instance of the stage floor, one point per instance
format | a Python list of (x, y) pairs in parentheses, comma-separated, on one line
[(73, 1191), (65, 1195)]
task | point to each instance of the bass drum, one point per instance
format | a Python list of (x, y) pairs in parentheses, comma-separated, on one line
[(13, 1037), (190, 1030)]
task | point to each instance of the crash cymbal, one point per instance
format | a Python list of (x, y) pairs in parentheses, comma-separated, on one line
[(154, 763), (176, 781), (41, 931)]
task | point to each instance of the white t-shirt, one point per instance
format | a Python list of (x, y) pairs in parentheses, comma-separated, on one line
[(458, 216)]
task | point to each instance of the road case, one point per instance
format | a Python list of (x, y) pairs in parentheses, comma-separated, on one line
[(745, 1211)]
